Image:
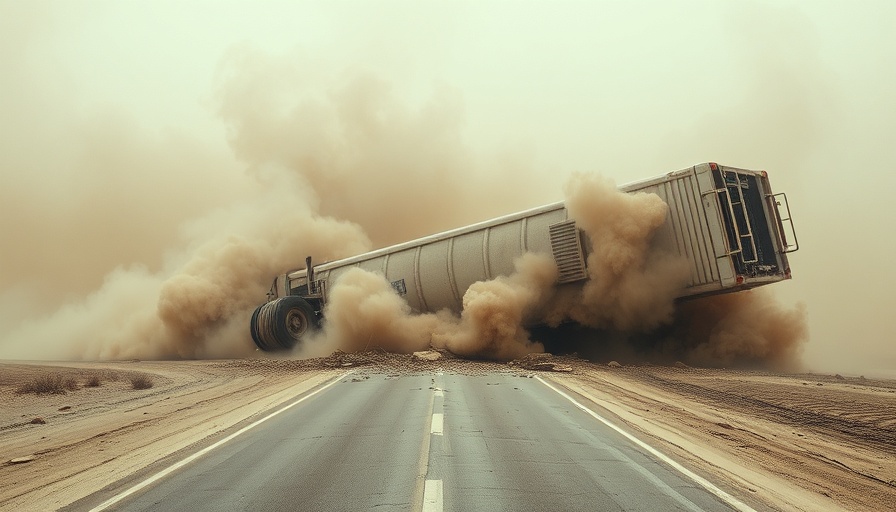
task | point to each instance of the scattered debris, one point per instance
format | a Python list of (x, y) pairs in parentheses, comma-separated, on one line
[(394, 364), (22, 460), (65, 408), (542, 362), (549, 367), (38, 421), (340, 359)]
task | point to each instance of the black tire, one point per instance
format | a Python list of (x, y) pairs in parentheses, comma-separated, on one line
[(282, 324)]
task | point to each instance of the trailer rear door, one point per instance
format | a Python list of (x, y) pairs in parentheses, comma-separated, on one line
[(747, 222)]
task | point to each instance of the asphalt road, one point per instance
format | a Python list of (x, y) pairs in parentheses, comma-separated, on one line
[(424, 442)]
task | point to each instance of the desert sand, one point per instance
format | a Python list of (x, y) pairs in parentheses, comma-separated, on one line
[(789, 442)]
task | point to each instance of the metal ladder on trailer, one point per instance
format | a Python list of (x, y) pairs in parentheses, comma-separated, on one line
[(748, 235)]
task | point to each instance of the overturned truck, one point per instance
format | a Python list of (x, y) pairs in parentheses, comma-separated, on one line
[(726, 222)]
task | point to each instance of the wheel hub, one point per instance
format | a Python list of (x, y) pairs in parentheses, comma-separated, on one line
[(296, 323)]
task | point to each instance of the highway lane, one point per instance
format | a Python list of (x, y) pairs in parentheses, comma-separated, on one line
[(431, 442), (515, 444)]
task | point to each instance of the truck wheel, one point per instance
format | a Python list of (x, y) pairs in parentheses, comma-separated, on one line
[(281, 324)]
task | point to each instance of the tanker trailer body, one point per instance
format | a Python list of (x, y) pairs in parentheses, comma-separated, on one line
[(734, 232)]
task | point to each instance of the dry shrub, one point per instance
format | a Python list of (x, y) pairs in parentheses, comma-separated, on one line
[(93, 380), (49, 383), (141, 381)]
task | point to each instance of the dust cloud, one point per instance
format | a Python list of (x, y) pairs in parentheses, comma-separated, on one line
[(748, 329), (198, 305), (400, 168), (364, 312), (494, 312), (632, 280), (173, 261)]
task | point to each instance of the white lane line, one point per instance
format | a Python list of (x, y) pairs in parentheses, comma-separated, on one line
[(706, 484), (423, 461), (167, 471), (437, 423), (439, 393), (432, 496)]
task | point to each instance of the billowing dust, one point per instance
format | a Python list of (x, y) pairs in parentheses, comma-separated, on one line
[(747, 329), (196, 308), (632, 280), (364, 312), (174, 263)]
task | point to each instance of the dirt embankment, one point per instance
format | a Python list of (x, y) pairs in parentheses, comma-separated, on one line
[(56, 448), (790, 442), (793, 442)]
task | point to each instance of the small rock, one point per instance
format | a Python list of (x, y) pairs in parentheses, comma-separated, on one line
[(65, 408), (22, 460), (679, 364), (614, 364), (38, 421), (427, 355)]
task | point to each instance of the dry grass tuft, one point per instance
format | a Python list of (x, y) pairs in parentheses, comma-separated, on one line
[(93, 380), (141, 381), (50, 383)]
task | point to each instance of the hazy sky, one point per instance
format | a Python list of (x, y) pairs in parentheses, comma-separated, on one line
[(125, 126)]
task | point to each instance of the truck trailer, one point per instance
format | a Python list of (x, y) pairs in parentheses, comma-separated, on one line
[(726, 222)]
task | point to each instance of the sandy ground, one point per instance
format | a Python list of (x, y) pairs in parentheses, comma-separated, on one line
[(789, 442)]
